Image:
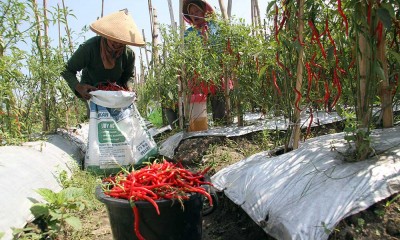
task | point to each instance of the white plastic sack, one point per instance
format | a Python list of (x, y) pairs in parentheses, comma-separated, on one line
[(304, 193), (118, 136)]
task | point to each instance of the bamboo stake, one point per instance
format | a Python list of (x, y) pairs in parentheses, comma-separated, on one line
[(181, 94), (155, 38), (257, 14), (171, 15), (42, 81), (227, 76), (363, 110), (223, 9), (59, 28), (145, 50), (141, 80), (257, 11), (102, 8), (386, 94), (299, 78), (150, 14), (43, 86), (364, 70), (229, 9), (48, 91), (253, 23), (45, 26)]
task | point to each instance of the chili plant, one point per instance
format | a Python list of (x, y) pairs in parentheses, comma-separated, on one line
[(30, 106)]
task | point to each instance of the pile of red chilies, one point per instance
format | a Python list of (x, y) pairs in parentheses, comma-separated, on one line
[(110, 86), (155, 182)]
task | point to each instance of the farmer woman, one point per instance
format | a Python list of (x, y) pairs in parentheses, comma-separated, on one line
[(105, 58), (195, 12)]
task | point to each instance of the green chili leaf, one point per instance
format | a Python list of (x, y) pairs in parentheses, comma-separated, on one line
[(395, 55), (384, 16)]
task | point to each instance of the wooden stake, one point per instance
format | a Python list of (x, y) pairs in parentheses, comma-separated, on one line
[(145, 50), (229, 9), (171, 15), (223, 9), (181, 93), (59, 28), (386, 93), (155, 34), (141, 79), (299, 78), (102, 8)]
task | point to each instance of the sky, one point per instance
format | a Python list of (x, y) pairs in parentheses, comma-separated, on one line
[(88, 11)]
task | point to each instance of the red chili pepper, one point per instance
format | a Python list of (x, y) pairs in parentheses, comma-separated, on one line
[(309, 80), (369, 13), (238, 58), (310, 123), (327, 94), (136, 223), (284, 18), (316, 36), (336, 83), (280, 64), (149, 199), (313, 61), (275, 82), (379, 32), (341, 70), (332, 42), (201, 191), (276, 23), (300, 42), (296, 104), (343, 16), (110, 86), (205, 170), (146, 190)]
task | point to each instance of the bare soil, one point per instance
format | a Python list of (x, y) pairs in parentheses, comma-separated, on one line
[(229, 222)]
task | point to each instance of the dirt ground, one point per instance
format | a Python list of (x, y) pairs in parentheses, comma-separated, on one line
[(230, 222)]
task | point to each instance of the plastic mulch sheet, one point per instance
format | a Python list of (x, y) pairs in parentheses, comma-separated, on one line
[(304, 193), (23, 170), (257, 123)]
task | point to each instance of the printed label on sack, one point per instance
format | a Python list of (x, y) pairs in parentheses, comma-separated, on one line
[(143, 147), (108, 132)]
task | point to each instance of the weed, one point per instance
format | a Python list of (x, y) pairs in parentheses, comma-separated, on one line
[(390, 202), (58, 216)]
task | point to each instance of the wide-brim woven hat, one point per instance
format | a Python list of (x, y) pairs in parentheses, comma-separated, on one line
[(203, 4), (119, 27)]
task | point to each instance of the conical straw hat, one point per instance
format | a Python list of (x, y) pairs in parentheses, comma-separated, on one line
[(205, 6), (119, 27)]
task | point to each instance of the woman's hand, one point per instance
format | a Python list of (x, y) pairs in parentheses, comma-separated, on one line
[(84, 89)]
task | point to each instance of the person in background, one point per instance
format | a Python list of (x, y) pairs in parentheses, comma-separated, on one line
[(106, 58), (195, 12)]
